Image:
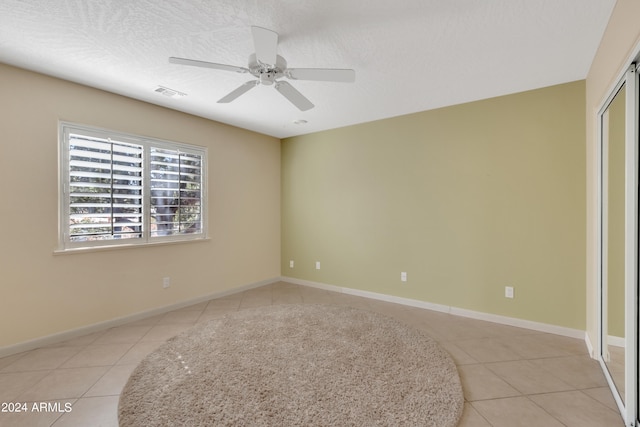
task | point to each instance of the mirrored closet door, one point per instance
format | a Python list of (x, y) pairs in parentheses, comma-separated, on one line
[(618, 243)]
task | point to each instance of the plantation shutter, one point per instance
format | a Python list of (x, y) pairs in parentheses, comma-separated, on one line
[(176, 192), (104, 189)]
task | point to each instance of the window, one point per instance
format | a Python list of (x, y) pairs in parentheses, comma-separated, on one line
[(122, 189)]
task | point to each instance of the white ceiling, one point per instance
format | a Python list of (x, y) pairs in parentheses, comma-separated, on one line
[(409, 55)]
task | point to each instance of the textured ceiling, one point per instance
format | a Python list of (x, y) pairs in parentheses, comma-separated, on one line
[(409, 55)]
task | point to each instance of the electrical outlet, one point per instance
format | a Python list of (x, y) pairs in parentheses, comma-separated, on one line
[(508, 291), (317, 265), (166, 282), (403, 276), (291, 264)]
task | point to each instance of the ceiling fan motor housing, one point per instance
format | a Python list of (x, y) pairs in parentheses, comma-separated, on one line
[(267, 73)]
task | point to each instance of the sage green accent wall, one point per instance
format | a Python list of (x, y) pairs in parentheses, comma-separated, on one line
[(466, 199)]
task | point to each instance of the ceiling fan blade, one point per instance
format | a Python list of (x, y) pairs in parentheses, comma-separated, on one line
[(322, 74), (204, 64), (238, 91), (266, 44), (295, 97)]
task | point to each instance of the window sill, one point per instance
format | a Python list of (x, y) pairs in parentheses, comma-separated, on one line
[(70, 251)]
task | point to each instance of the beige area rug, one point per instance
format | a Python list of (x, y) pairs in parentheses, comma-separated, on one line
[(295, 365)]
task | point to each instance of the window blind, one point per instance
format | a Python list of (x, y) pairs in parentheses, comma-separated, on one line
[(105, 189), (176, 192)]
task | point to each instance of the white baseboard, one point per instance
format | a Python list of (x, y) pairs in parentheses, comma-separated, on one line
[(590, 348), (504, 320), (615, 341), (96, 327), (100, 326)]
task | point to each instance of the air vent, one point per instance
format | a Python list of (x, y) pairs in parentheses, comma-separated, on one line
[(171, 93)]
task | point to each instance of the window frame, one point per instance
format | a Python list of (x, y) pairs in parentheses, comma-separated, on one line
[(65, 244)]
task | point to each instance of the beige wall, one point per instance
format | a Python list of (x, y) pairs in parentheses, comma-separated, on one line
[(43, 293), (466, 199), (620, 39)]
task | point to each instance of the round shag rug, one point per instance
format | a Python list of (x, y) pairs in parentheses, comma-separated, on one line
[(295, 365)]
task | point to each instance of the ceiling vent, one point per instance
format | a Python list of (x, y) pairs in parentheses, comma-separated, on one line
[(171, 93)]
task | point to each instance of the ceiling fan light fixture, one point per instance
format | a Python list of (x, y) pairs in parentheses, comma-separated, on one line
[(267, 79)]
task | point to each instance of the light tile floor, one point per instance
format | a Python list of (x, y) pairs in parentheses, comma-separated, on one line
[(511, 376)]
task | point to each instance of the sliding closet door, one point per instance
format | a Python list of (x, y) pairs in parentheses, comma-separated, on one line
[(618, 224)]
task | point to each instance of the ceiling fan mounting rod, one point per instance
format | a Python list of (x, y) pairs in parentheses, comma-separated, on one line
[(255, 65)]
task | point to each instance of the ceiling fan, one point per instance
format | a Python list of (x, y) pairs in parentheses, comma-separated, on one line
[(267, 66)]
